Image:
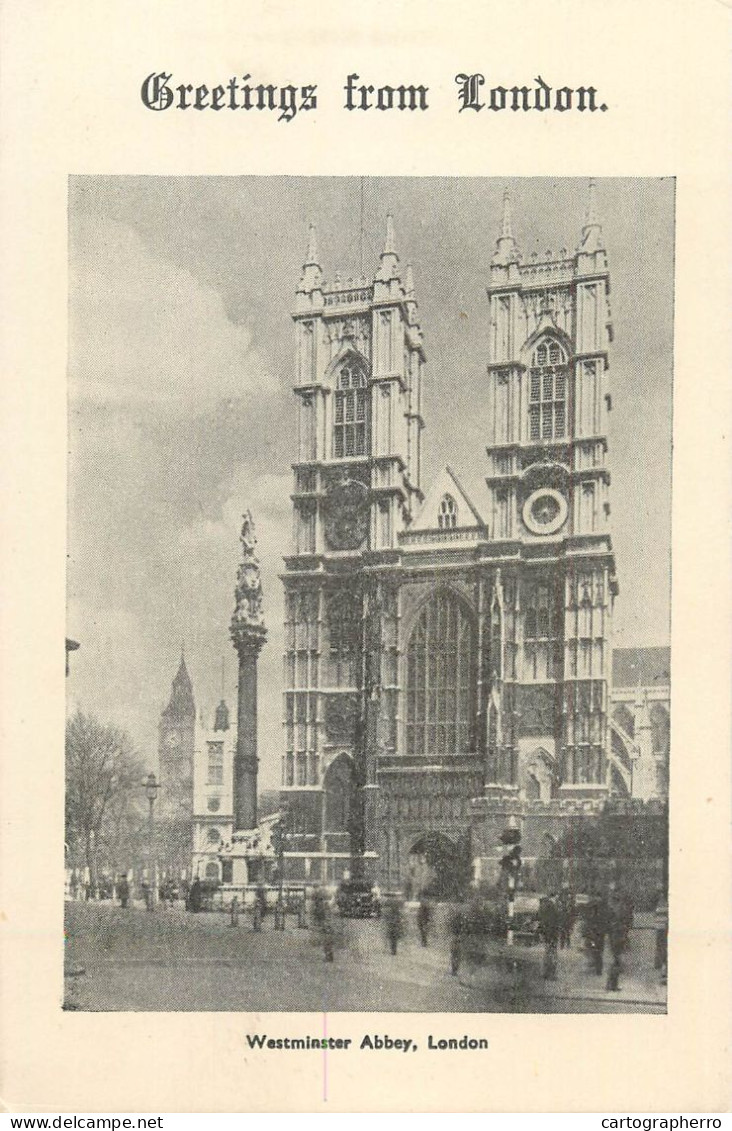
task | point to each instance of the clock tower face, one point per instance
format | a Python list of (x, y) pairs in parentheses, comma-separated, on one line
[(347, 515), (173, 739), (545, 511)]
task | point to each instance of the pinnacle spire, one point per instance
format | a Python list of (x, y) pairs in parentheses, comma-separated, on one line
[(312, 276), (506, 229), (389, 268), (181, 702), (507, 251), (312, 253), (389, 248), (592, 240), (591, 214)]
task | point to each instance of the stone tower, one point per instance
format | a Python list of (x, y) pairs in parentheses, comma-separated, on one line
[(548, 672), (358, 375), (176, 743), (248, 634)]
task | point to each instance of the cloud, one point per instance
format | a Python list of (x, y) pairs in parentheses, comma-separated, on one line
[(143, 331), (266, 496)]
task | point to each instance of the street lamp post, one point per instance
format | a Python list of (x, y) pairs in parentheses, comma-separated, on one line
[(281, 868), (151, 792)]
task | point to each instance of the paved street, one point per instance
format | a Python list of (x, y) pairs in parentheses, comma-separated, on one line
[(173, 960)]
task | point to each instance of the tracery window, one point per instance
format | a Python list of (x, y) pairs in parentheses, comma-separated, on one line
[(541, 631), (447, 514), (215, 763), (440, 680), (350, 414), (548, 391)]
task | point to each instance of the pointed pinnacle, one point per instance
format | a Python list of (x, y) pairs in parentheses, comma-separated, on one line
[(312, 255), (506, 229), (591, 215), (389, 245)]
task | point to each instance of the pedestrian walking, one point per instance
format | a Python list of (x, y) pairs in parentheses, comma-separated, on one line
[(322, 920), (567, 909), (549, 916), (627, 917), (595, 930), (660, 961), (393, 922), (457, 929), (123, 891), (424, 919), (328, 940), (195, 896), (617, 934)]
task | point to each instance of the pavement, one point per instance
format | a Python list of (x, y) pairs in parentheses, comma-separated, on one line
[(171, 960)]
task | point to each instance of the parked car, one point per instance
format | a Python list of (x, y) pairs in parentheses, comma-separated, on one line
[(526, 919), (358, 899)]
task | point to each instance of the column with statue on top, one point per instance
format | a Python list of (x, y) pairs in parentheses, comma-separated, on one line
[(248, 634)]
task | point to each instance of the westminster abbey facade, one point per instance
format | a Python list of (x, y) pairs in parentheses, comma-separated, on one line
[(448, 651)]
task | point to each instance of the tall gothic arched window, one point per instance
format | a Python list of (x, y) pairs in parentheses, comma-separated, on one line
[(339, 785), (548, 391), (447, 514), (440, 668), (351, 412)]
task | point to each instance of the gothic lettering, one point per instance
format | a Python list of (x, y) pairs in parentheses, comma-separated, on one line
[(385, 97), (159, 93), (541, 97)]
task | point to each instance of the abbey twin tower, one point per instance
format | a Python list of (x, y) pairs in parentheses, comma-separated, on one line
[(448, 651), (448, 660)]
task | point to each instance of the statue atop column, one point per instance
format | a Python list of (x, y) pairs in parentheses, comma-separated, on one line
[(247, 622), (248, 633)]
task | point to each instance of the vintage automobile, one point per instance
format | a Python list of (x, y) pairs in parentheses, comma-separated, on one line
[(526, 919), (358, 899)]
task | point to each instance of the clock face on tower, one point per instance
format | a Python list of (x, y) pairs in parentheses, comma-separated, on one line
[(545, 511), (347, 515), (173, 738)]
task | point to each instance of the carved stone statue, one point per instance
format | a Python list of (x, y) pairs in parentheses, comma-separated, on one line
[(248, 618)]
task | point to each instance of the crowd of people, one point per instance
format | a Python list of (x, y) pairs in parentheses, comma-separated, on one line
[(605, 920), (606, 916)]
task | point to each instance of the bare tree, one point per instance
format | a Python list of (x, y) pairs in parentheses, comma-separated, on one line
[(103, 778)]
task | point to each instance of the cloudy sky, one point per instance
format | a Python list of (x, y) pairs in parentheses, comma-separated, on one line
[(181, 412)]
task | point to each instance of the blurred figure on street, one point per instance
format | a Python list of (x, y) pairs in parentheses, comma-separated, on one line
[(567, 913), (617, 933), (549, 917), (660, 961), (627, 916), (457, 929), (424, 919), (322, 919), (595, 929), (260, 899), (393, 921), (123, 890), (195, 896)]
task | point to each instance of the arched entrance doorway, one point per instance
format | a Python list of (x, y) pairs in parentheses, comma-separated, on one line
[(439, 867)]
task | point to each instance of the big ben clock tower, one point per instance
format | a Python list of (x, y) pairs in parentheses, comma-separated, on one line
[(547, 409)]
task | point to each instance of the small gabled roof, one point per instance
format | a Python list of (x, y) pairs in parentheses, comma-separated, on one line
[(448, 483)]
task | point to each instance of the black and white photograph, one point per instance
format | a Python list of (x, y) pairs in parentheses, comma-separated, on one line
[(368, 654)]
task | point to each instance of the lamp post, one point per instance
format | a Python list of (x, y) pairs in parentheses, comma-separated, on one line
[(151, 792), (281, 867)]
